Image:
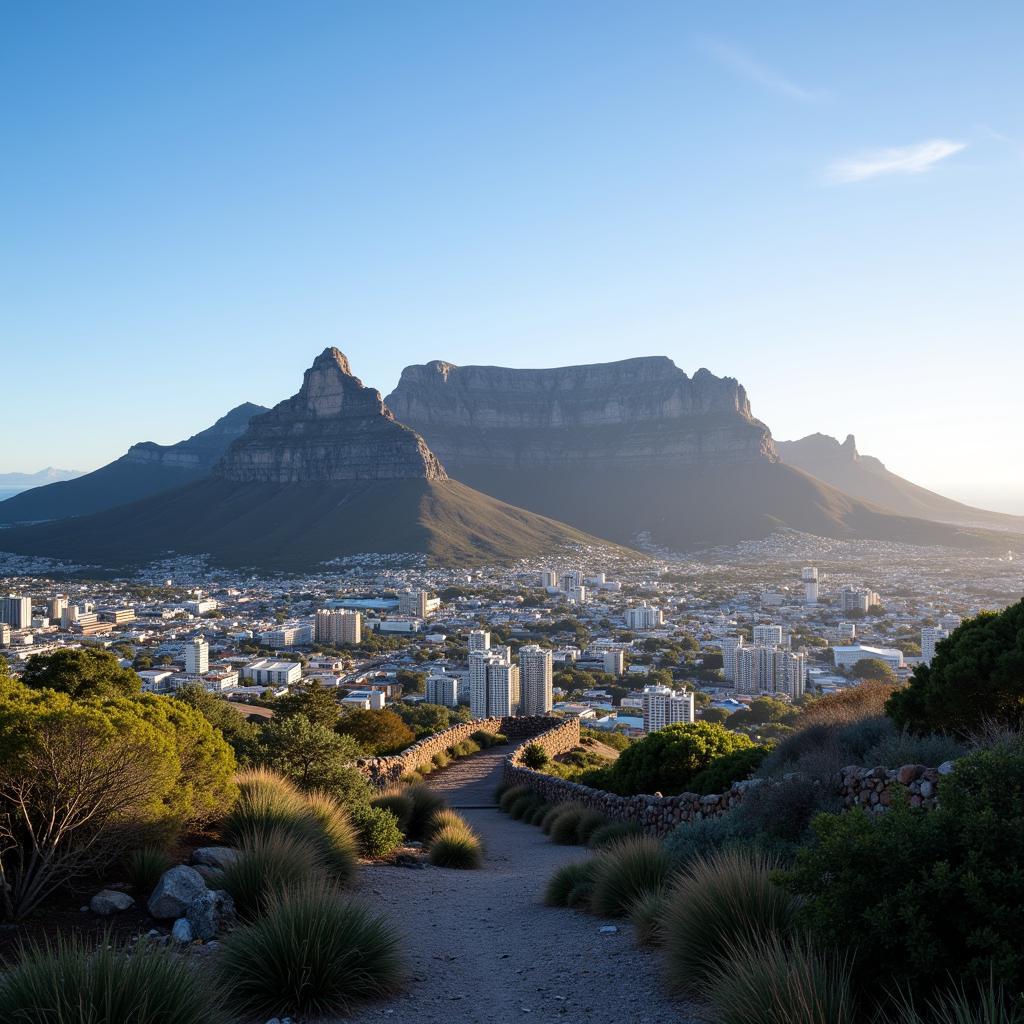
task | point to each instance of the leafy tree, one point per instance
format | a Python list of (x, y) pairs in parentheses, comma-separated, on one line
[(426, 719), (241, 734), (411, 682), (762, 711), (727, 769), (717, 715), (873, 669), (667, 760), (314, 702), (80, 672), (310, 754), (976, 677), (377, 732)]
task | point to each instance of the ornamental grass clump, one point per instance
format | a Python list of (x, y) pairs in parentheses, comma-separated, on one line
[(510, 796), (568, 881), (425, 804), (339, 836), (589, 823), (645, 916), (565, 823), (267, 802), (397, 800), (773, 980), (523, 808), (983, 1003), (456, 845), (314, 952), (267, 864), (144, 867), (718, 901), (611, 832), (538, 814), (71, 981), (629, 869)]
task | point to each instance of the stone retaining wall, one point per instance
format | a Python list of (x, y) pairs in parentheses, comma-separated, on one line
[(385, 771), (871, 788)]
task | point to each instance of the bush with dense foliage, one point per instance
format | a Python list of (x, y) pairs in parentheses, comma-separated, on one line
[(454, 844), (976, 676), (396, 800), (75, 981), (666, 761), (241, 734), (377, 732), (313, 952), (535, 756), (570, 885), (727, 769), (379, 833), (627, 870), (311, 754), (81, 672), (924, 895)]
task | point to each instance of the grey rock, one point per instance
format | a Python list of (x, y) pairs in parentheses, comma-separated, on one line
[(947, 768), (214, 856), (110, 901), (211, 912), (182, 932), (608, 929), (175, 891)]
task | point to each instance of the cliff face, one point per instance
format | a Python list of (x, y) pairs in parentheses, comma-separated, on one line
[(636, 412), (334, 429)]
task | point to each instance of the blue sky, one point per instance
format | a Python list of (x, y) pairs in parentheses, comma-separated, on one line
[(822, 200)]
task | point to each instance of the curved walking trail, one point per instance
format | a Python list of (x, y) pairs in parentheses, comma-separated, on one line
[(483, 949)]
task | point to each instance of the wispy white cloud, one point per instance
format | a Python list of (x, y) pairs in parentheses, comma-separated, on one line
[(916, 159), (754, 71)]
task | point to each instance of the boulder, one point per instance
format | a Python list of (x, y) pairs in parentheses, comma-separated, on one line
[(214, 856), (182, 932), (175, 891), (110, 901), (210, 913), (909, 773)]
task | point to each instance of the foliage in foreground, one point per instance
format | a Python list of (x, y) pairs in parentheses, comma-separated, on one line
[(313, 952), (455, 845), (626, 871), (71, 981), (570, 885)]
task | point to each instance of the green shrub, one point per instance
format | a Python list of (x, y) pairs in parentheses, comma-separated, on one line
[(667, 760), (442, 818), (456, 846), (565, 880), (645, 916), (510, 796), (339, 836), (985, 1003), (548, 820), (526, 804), (727, 769), (887, 882), (268, 802), (378, 829), (500, 790), (718, 901), (702, 837), (589, 823), (564, 825), (976, 676), (498, 739), (537, 815), (906, 748), (399, 803), (535, 756), (441, 759), (267, 864), (627, 870), (74, 981), (777, 981), (314, 952), (781, 812), (144, 867), (425, 804), (611, 832), (486, 739)]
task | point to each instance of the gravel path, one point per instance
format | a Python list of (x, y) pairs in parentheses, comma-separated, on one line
[(482, 947)]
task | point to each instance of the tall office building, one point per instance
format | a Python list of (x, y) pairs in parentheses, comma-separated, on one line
[(613, 662), (789, 674), (549, 578), (493, 684), (644, 616), (769, 670), (535, 679), (664, 706), (479, 640), (930, 636), (197, 657), (730, 645), (16, 611), (337, 627), (767, 636), (810, 578), (572, 579), (414, 603), (854, 600), (56, 608), (442, 689)]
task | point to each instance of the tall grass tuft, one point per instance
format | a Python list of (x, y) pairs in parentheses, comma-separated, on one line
[(589, 823), (777, 981), (564, 824), (567, 880), (988, 1004), (456, 845), (626, 871), (645, 916), (549, 819), (144, 867), (340, 837), (425, 804), (268, 802), (612, 832), (268, 863), (510, 796), (537, 815), (70, 981), (717, 902), (397, 800), (523, 808), (314, 952)]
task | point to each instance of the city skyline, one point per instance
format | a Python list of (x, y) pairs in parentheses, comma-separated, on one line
[(817, 202)]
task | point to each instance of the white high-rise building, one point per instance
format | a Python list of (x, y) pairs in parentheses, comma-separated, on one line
[(479, 640), (549, 579), (578, 595), (535, 679), (493, 684), (767, 636), (415, 603), (572, 579), (930, 636), (789, 674), (613, 662), (769, 670), (664, 706), (730, 645), (337, 627), (197, 657), (443, 689), (57, 605), (16, 611), (644, 616), (810, 578)]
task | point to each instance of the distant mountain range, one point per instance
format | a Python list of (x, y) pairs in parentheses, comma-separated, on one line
[(481, 463), (15, 483), (865, 477), (146, 468), (324, 474)]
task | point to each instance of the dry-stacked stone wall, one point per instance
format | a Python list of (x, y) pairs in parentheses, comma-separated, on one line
[(871, 788), (385, 771)]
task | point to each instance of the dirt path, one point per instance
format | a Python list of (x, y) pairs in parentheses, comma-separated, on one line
[(482, 947)]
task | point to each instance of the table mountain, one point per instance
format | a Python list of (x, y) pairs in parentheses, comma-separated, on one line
[(324, 474), (146, 468)]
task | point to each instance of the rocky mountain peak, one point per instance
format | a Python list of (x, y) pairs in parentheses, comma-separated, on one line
[(334, 428)]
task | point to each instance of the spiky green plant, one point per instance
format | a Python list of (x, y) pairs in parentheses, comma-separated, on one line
[(645, 915), (267, 802), (612, 832), (627, 870), (537, 815), (397, 800), (589, 823), (565, 880), (71, 981), (524, 807), (456, 845), (340, 837), (425, 804), (510, 796), (314, 952), (144, 867), (563, 827), (985, 1003)]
